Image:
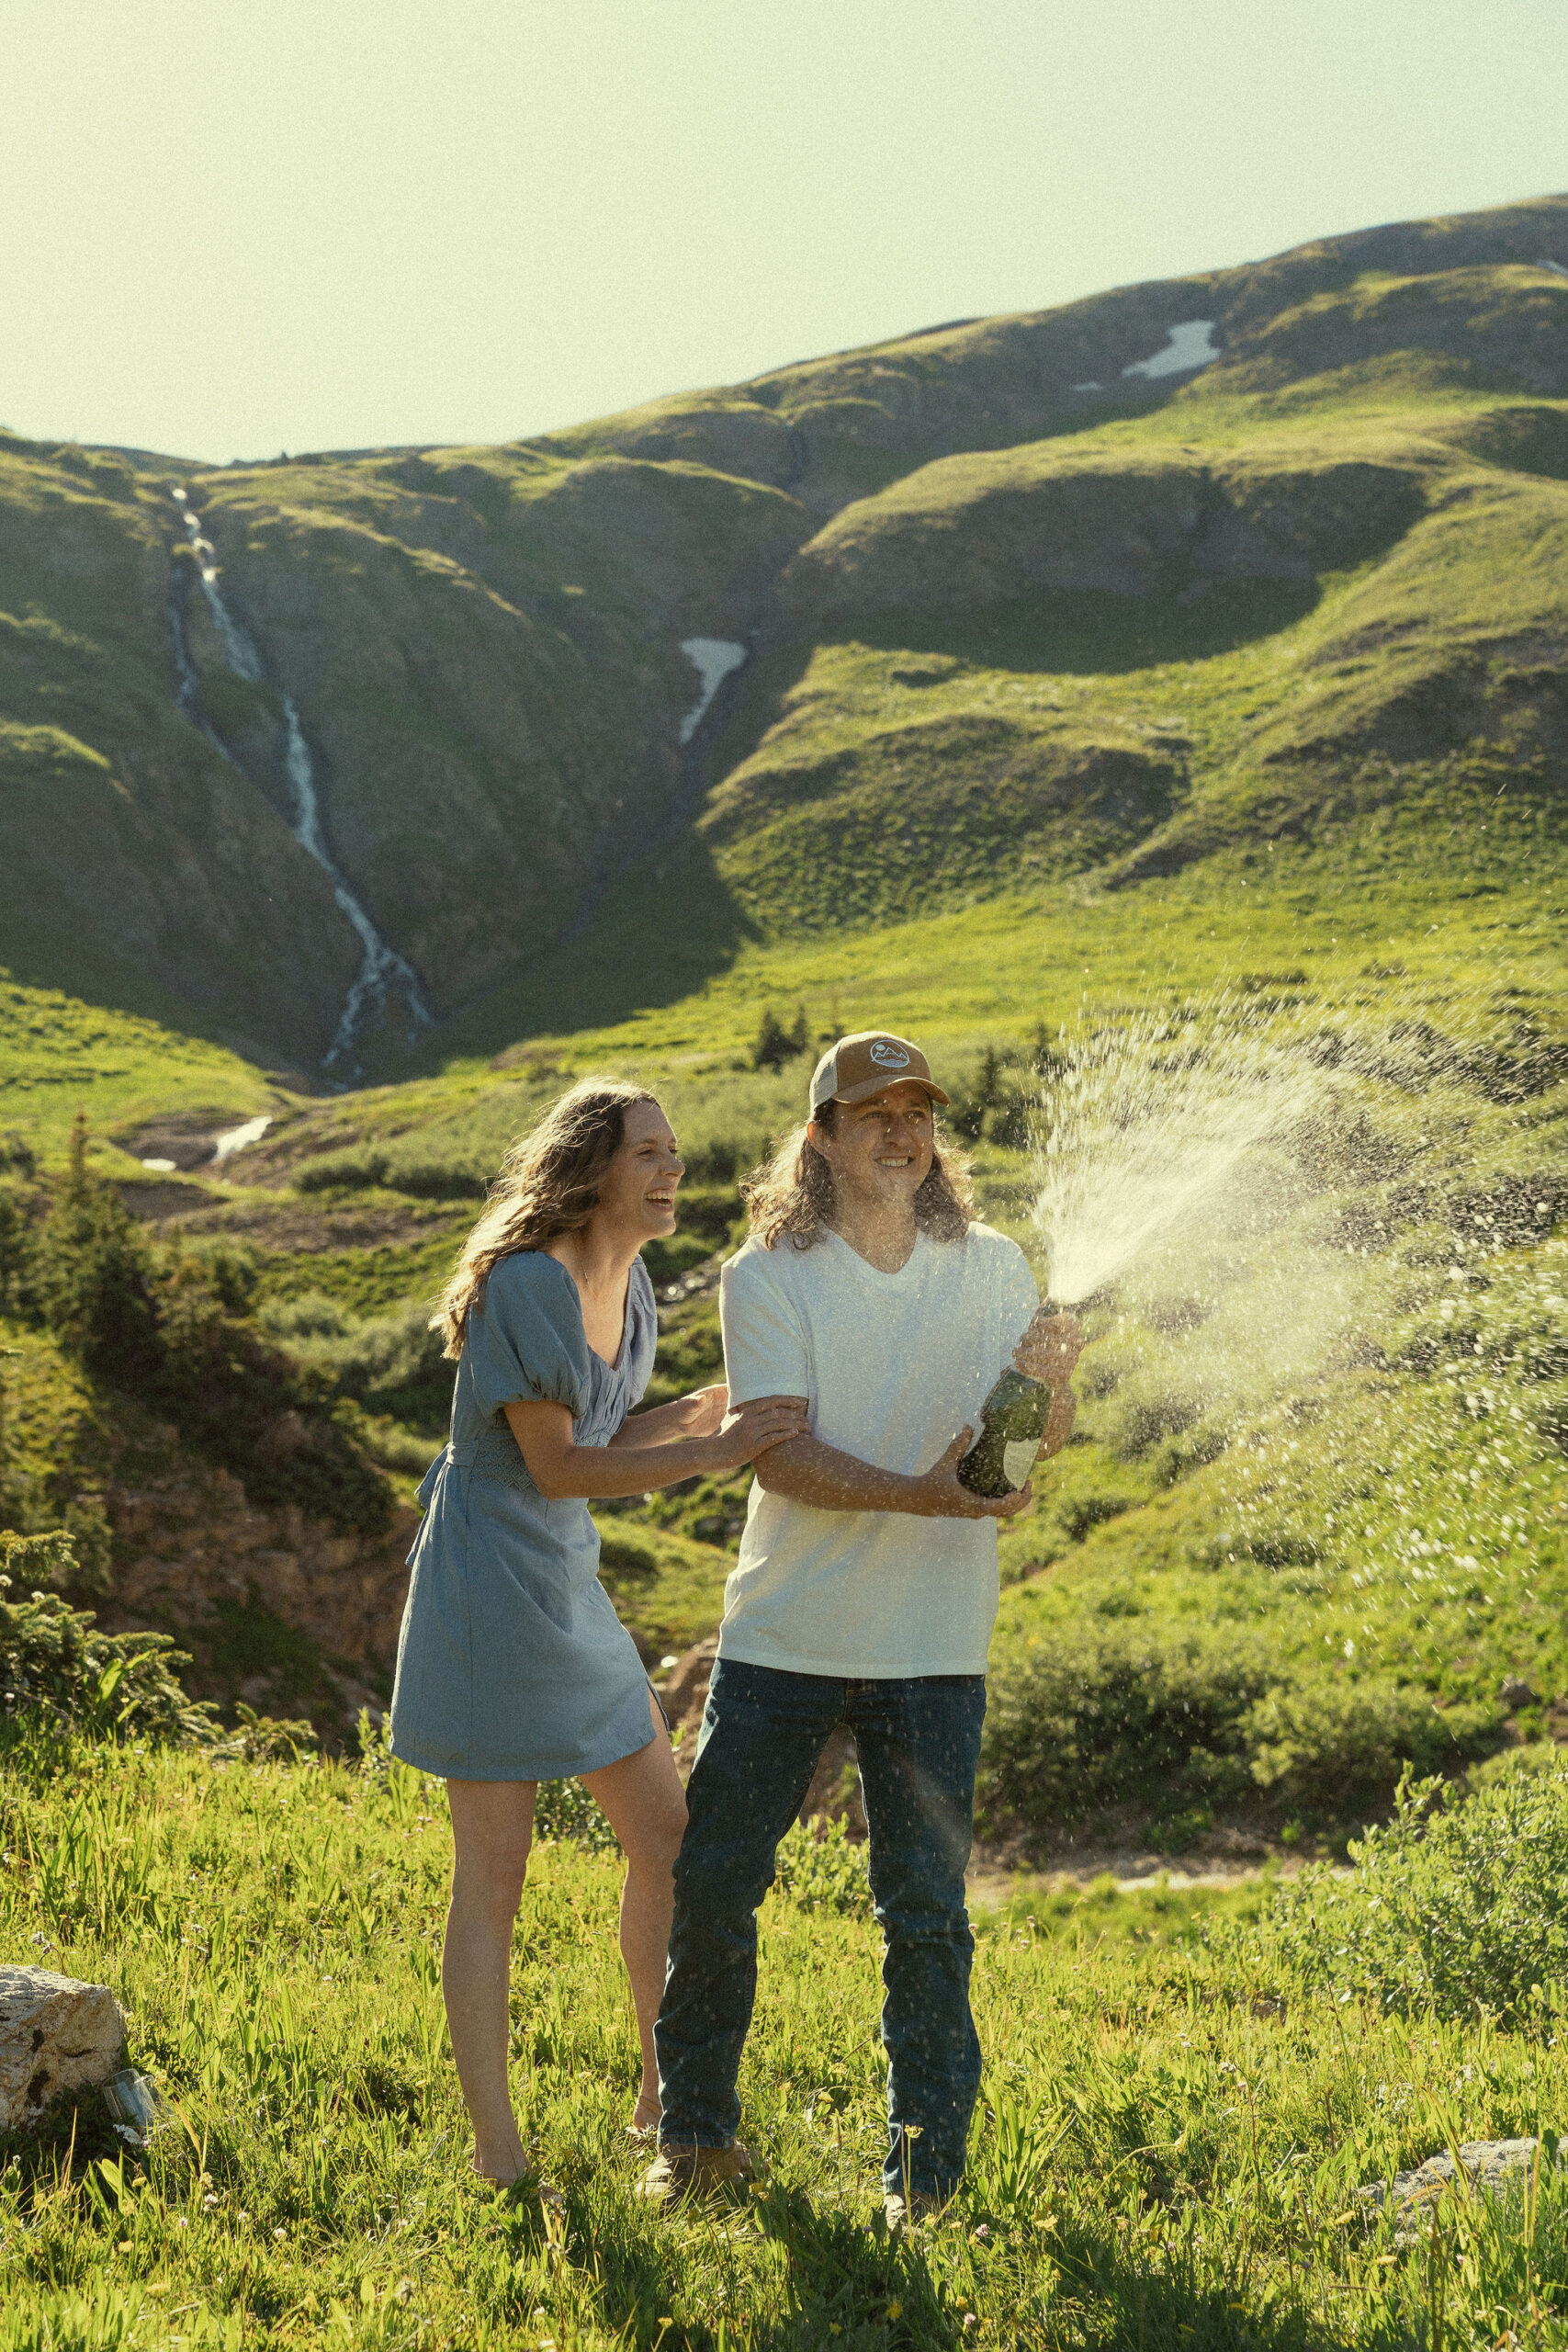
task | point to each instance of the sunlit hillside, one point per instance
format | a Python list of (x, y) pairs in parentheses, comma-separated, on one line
[(342, 760)]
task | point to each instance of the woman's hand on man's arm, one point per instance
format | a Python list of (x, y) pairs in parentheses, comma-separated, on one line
[(699, 1414), (563, 1470)]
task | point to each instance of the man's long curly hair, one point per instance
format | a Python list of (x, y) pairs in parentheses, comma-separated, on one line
[(790, 1196), (548, 1185)]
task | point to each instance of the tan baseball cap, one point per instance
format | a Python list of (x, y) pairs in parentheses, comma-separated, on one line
[(860, 1066)]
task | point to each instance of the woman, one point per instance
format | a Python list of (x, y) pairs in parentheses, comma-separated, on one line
[(513, 1667)]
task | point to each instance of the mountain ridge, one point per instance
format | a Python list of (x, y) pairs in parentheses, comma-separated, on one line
[(483, 646)]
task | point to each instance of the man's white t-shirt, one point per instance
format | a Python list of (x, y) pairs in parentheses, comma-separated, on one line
[(893, 1366)]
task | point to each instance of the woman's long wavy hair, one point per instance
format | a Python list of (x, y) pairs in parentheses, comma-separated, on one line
[(790, 1196), (548, 1185)]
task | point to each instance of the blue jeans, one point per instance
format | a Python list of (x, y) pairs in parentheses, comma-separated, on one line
[(764, 1732)]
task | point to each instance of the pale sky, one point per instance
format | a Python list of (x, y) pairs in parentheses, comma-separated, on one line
[(233, 226)]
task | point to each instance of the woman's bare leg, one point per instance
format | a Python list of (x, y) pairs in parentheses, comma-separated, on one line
[(492, 1828), (645, 1806)]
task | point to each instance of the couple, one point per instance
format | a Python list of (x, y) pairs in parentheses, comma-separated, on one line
[(863, 1321)]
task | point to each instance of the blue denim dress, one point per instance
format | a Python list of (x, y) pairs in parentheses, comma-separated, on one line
[(512, 1662)]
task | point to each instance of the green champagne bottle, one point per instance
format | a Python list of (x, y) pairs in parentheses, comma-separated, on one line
[(1012, 1423)]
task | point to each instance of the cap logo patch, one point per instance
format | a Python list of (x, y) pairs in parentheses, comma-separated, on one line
[(888, 1056)]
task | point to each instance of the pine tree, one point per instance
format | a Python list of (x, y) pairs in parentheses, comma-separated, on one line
[(15, 1253), (77, 1180), (93, 1273), (773, 1048)]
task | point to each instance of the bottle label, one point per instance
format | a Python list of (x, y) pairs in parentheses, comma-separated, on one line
[(1019, 1458)]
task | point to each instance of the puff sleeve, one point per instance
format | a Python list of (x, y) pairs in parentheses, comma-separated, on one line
[(526, 1344)]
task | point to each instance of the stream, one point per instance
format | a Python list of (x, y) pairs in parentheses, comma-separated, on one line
[(383, 974)]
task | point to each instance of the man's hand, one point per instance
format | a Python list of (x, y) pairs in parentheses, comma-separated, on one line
[(1051, 1347), (756, 1428), (940, 1495)]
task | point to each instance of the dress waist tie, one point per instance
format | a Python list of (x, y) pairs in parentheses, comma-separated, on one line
[(493, 1454)]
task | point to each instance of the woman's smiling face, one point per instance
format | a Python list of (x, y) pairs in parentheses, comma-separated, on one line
[(638, 1194)]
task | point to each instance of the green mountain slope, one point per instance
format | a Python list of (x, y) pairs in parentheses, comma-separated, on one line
[(1096, 590)]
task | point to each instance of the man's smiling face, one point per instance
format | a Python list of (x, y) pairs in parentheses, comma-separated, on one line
[(880, 1150)]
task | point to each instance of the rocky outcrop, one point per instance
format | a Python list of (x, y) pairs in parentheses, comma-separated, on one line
[(1490, 2167), (684, 1696), (834, 1794), (56, 2036), (191, 1540)]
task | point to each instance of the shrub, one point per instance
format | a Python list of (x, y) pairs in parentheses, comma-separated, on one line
[(391, 1363), (821, 1869), (1079, 1515), (973, 1102), (1134, 1714), (310, 1314), (719, 1159), (269, 1739), (1455, 1906), (176, 1330), (1129, 1715), (1329, 1745), (55, 1665), (394, 1447), (1144, 1420), (1179, 1456), (427, 1176), (354, 1169), (17, 1157), (423, 1170), (232, 1272), (564, 1810)]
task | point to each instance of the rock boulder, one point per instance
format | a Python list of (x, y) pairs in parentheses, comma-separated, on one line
[(56, 2036), (1491, 2166)]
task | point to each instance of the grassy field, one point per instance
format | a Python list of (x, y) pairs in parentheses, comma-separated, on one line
[(1466, 896), (1211, 737), (60, 1054), (1165, 2154), (1352, 1351)]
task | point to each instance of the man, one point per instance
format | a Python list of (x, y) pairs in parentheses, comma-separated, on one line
[(865, 1594)]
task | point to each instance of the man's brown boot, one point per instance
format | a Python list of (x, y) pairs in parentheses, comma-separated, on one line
[(900, 2212), (694, 2172)]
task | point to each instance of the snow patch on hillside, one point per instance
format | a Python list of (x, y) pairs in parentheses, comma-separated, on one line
[(234, 1139), (1191, 345), (713, 658)]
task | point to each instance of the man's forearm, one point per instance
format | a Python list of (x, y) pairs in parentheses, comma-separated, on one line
[(805, 1470), (1059, 1421)]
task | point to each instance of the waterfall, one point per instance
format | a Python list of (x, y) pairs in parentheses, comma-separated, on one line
[(713, 659), (383, 973)]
